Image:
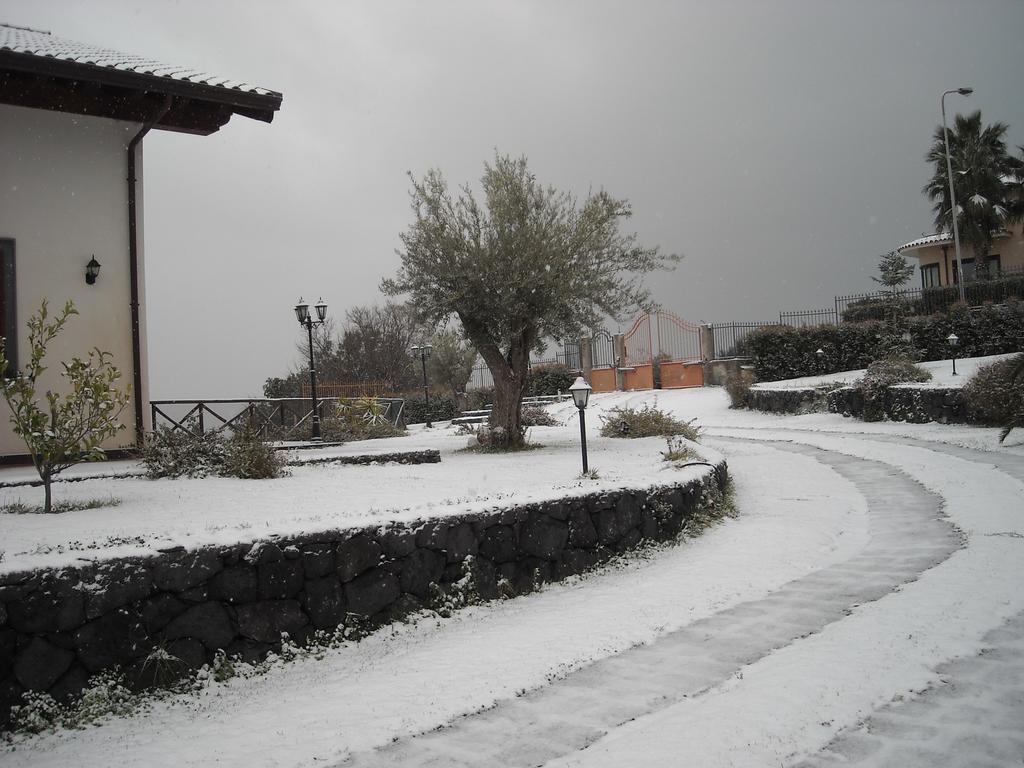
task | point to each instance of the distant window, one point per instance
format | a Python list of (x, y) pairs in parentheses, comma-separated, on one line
[(930, 276), (968, 267), (8, 311), (994, 264)]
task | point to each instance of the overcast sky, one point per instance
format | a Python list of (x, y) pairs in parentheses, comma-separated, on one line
[(777, 145)]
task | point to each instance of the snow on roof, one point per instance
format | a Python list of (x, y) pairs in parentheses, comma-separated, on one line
[(45, 45), (939, 237)]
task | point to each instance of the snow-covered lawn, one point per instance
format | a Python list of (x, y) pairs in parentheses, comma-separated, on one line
[(941, 371), (800, 519)]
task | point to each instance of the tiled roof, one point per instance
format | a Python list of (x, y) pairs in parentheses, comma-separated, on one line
[(44, 45), (941, 237)]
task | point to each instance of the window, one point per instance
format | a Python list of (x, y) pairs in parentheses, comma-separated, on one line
[(968, 267), (8, 309), (930, 276)]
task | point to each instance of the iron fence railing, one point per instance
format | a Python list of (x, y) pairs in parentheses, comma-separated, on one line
[(1007, 284), (729, 337), (276, 418), (804, 317)]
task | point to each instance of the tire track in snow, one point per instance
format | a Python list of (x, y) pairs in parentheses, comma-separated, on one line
[(908, 536)]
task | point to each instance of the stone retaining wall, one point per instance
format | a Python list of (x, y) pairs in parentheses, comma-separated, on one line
[(58, 627), (785, 400)]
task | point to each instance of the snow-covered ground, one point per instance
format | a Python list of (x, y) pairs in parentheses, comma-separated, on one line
[(838, 593), (941, 371)]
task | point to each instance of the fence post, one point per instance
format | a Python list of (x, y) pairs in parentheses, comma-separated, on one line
[(619, 357), (707, 342), (202, 429), (587, 358)]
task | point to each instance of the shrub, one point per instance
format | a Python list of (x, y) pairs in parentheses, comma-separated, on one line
[(879, 376), (992, 395), (537, 416), (177, 453), (738, 386), (987, 330), (645, 422), (677, 449), (549, 379), (478, 399), (442, 408), (250, 458)]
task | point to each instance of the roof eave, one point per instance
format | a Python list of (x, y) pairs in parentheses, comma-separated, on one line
[(258, 106)]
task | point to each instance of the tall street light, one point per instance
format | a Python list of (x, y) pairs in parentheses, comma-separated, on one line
[(580, 395), (423, 352), (952, 194), (304, 318)]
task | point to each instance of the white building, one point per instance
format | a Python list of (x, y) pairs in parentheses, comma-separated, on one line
[(72, 121)]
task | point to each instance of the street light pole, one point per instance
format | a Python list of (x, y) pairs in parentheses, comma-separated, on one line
[(580, 391), (304, 318), (952, 193)]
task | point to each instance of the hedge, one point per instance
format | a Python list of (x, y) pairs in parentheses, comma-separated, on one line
[(442, 408), (549, 379), (785, 352)]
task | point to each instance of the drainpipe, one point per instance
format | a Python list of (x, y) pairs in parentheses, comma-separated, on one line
[(133, 267)]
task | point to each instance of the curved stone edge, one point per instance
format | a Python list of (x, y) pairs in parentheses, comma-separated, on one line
[(58, 627)]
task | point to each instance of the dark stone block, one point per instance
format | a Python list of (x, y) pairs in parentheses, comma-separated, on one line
[(208, 623), (71, 684), (190, 653), (485, 576), (629, 541), (581, 529), (10, 695), (461, 542), (611, 525), (280, 580), (8, 647), (3, 614), (40, 664), (649, 528), (419, 570), (453, 572), (158, 611), (236, 584), (357, 555), (543, 537), (198, 594), (263, 552), (372, 592), (530, 573), (499, 544), (325, 602), (318, 562), (111, 640), (574, 561), (249, 651), (433, 535), (118, 583), (396, 541), (292, 552), (559, 510), (55, 605), (177, 573), (266, 620)]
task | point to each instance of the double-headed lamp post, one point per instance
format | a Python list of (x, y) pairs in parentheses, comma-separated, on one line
[(952, 194), (953, 340), (304, 318), (580, 395), (423, 352)]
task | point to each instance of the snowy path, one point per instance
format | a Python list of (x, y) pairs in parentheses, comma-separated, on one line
[(907, 537)]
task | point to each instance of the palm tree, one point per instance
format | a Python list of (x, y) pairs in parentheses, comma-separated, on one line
[(1015, 374), (982, 174)]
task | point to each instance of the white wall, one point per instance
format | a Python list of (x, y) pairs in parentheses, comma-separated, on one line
[(63, 198)]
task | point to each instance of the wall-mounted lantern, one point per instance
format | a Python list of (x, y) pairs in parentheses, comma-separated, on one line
[(92, 271)]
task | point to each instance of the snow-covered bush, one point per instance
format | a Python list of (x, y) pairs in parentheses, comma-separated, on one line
[(995, 394), (646, 422), (738, 385), (537, 416), (881, 374), (183, 453)]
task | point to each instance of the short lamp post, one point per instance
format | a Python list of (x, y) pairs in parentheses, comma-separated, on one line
[(580, 395), (423, 352), (821, 358), (953, 340), (304, 318)]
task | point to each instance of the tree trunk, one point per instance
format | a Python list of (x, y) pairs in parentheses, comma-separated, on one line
[(509, 374), (47, 483)]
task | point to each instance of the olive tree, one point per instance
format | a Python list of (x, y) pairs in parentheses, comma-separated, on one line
[(525, 263), (67, 428)]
